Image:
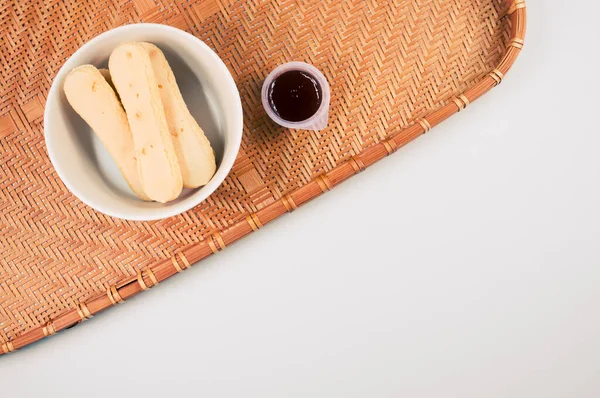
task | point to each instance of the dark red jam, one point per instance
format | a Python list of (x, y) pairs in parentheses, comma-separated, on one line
[(295, 96)]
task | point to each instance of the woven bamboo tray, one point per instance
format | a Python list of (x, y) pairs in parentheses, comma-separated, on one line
[(397, 68)]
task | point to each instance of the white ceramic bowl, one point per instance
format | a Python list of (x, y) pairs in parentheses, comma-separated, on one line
[(86, 167)]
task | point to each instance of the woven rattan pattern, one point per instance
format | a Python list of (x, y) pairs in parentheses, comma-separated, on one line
[(390, 64)]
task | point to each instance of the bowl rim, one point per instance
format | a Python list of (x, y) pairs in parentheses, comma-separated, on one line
[(234, 142)]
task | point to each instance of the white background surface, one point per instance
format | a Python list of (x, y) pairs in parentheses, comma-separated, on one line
[(466, 265)]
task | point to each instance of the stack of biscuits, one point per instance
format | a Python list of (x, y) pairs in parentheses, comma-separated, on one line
[(136, 109)]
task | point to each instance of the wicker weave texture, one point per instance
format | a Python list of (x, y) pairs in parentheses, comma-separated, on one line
[(396, 69)]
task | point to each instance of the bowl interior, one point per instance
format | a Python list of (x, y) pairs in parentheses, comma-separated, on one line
[(86, 167)]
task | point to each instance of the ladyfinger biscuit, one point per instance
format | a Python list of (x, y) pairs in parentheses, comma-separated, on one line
[(96, 102), (196, 156), (158, 167), (106, 75)]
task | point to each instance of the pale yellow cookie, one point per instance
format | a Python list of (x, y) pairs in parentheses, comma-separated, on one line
[(96, 102), (106, 75), (158, 167), (196, 156)]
